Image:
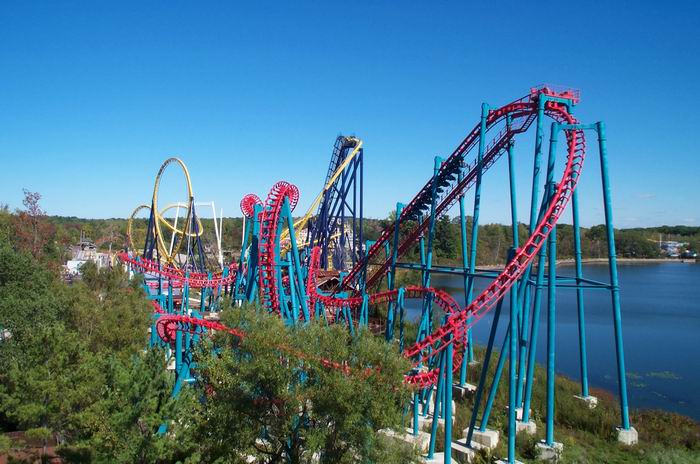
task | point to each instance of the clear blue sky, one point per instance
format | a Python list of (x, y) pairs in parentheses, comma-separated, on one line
[(95, 95)]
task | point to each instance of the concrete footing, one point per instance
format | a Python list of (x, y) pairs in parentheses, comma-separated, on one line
[(519, 413), (461, 391), (487, 438), (461, 451), (591, 401), (627, 437), (529, 427), (438, 458), (551, 452), (420, 441), (425, 422), (505, 461)]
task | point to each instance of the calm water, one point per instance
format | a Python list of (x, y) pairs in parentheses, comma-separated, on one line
[(661, 332)]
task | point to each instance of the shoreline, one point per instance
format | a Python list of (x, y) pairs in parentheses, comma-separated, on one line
[(571, 262)]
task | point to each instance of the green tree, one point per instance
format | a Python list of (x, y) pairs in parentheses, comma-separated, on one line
[(122, 426), (447, 239), (49, 382), (277, 404)]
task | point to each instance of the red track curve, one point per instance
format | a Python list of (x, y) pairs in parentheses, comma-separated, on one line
[(458, 319), (177, 276)]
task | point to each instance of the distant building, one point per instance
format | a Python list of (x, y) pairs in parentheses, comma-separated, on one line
[(671, 248), (83, 252)]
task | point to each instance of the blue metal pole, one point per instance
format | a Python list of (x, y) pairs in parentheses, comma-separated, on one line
[(551, 292), (402, 311), (496, 380), (465, 265), (415, 413), (389, 333), (512, 391), (514, 332), (431, 226), (579, 297), (615, 287), (484, 371), (477, 202), (297, 262), (436, 408), (524, 291), (551, 326), (449, 352), (534, 331)]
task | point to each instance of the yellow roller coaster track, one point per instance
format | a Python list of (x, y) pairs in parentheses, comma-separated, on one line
[(170, 257)]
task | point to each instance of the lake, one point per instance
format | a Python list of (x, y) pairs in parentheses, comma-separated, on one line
[(661, 332)]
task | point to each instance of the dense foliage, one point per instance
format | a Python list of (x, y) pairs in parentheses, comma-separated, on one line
[(74, 373), (272, 397), (74, 370)]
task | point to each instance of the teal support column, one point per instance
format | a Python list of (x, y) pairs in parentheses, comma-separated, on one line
[(364, 311), (612, 261), (436, 407), (391, 310), (579, 297), (303, 298), (551, 329), (512, 389), (539, 141), (524, 288), (203, 295), (251, 292), (292, 292), (416, 413), (449, 352), (534, 331), (400, 301), (505, 348), (515, 329), (427, 253), (465, 265), (469, 293), (484, 371), (477, 203), (431, 225), (551, 291)]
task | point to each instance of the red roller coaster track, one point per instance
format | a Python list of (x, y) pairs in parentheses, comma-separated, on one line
[(177, 276), (458, 319)]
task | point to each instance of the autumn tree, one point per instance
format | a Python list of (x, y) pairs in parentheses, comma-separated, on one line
[(33, 231)]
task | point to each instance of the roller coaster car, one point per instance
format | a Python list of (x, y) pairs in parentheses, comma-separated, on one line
[(569, 94), (418, 370)]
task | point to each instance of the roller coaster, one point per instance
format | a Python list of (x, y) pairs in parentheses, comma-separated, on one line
[(319, 267)]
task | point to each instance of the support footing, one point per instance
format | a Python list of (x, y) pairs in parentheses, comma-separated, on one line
[(529, 427), (487, 438), (463, 390), (591, 401), (627, 437), (438, 458), (461, 451), (421, 441), (519, 413), (551, 452)]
